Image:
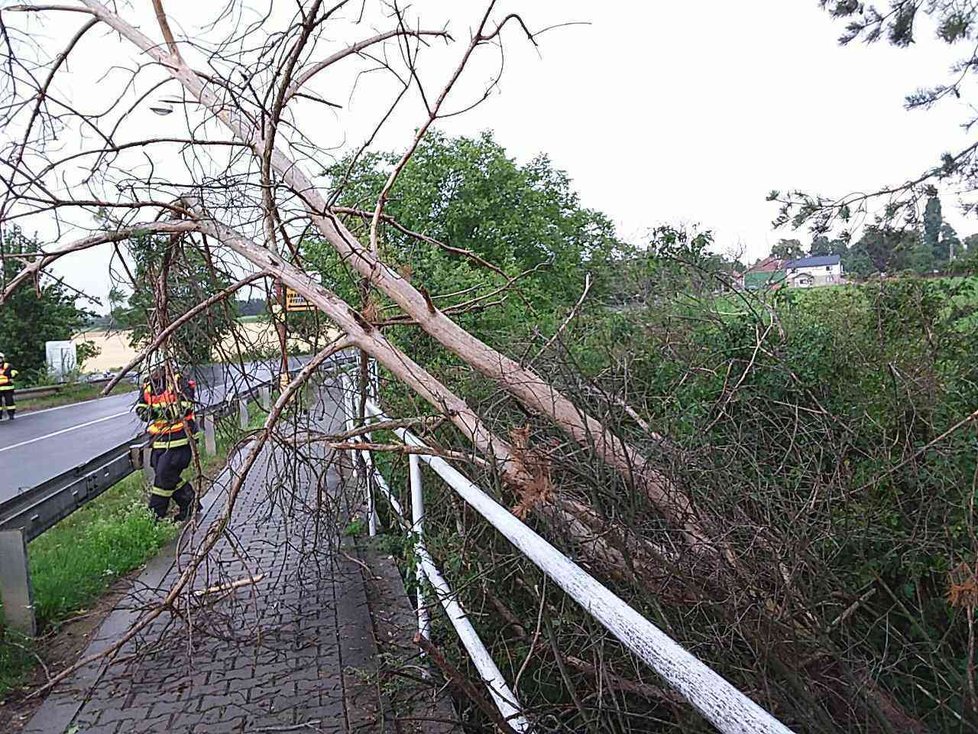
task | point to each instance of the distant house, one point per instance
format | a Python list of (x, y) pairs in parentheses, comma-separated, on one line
[(769, 264), (761, 280), (811, 272), (765, 274)]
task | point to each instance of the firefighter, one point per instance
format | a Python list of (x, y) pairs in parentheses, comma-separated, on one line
[(166, 403), (7, 375)]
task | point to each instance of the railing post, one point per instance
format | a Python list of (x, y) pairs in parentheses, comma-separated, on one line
[(368, 463), (148, 471), (348, 409), (417, 526), (265, 395), (15, 583), (374, 379), (371, 510), (210, 440), (243, 414)]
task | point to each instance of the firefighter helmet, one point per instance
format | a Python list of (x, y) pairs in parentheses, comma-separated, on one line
[(155, 362)]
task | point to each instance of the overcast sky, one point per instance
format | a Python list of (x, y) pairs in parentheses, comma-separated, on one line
[(694, 111), (691, 112)]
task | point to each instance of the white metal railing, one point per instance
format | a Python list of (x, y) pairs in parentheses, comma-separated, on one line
[(722, 704), (504, 698)]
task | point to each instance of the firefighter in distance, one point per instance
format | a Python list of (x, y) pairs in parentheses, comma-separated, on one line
[(7, 375), (166, 403)]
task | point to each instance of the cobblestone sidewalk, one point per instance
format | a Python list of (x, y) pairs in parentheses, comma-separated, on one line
[(293, 651)]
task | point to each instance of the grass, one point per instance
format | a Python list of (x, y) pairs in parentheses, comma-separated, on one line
[(77, 560), (16, 661)]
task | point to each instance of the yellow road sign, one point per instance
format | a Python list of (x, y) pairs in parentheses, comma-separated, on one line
[(297, 302)]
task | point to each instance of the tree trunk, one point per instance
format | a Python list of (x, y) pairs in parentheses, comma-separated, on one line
[(529, 388)]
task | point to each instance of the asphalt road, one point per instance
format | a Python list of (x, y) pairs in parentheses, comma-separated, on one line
[(40, 445)]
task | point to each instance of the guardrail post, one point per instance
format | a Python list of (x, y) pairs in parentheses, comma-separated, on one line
[(210, 440), (265, 394), (148, 472), (243, 414), (417, 517), (15, 583)]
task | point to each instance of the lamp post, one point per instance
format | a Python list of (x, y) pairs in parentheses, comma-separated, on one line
[(281, 327), (164, 107)]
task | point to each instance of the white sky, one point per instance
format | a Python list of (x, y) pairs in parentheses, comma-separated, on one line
[(687, 112)]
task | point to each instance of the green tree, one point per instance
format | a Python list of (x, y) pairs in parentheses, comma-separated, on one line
[(887, 248), (821, 245), (29, 318), (950, 245), (190, 278), (466, 192), (969, 245), (856, 262), (933, 222), (922, 259), (788, 250)]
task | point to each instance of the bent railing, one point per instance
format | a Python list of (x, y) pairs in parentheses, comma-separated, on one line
[(722, 704)]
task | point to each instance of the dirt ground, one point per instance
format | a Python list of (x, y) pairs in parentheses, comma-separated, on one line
[(116, 351)]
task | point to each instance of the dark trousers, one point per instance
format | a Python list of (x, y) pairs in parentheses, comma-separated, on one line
[(7, 398), (168, 465)]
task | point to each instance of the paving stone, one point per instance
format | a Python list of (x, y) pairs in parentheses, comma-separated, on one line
[(275, 636), (291, 650)]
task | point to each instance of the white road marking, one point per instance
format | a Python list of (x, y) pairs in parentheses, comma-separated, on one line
[(64, 430)]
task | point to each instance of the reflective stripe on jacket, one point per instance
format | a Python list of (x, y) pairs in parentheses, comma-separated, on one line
[(7, 375), (169, 412)]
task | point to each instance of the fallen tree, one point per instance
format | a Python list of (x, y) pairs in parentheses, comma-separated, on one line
[(252, 203)]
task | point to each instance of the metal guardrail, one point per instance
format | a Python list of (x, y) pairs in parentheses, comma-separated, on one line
[(34, 511), (41, 507), (43, 391), (720, 703), (31, 513)]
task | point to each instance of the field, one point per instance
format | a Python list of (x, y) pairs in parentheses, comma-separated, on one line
[(73, 393), (257, 334)]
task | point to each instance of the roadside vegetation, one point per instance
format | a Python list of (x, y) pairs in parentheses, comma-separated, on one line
[(784, 481), (824, 434)]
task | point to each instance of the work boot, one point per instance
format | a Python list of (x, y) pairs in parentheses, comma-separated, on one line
[(10, 415), (185, 512)]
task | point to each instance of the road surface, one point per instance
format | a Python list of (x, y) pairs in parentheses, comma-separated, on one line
[(42, 444)]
